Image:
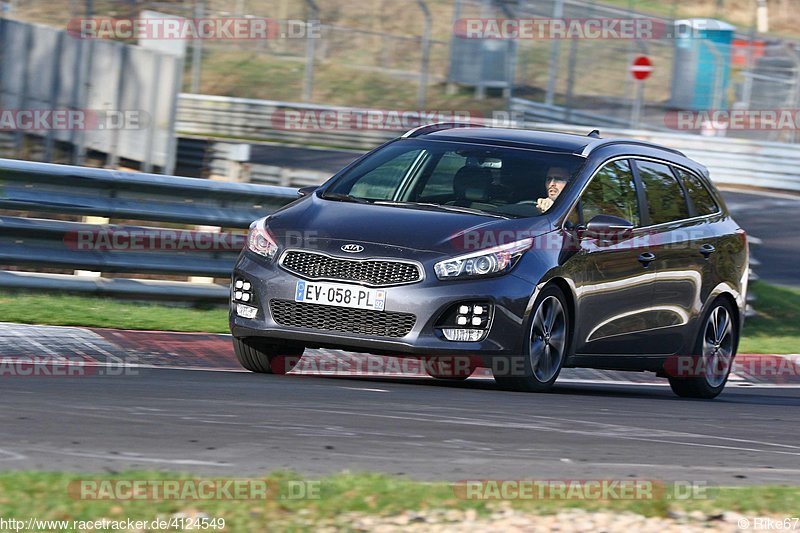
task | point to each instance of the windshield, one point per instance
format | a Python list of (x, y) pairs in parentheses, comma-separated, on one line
[(458, 177)]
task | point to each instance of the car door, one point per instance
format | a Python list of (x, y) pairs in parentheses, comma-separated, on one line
[(614, 288), (679, 265)]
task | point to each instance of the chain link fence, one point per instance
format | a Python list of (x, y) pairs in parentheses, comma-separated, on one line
[(390, 55)]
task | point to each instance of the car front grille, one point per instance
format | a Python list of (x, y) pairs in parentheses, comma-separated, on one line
[(372, 272), (342, 319)]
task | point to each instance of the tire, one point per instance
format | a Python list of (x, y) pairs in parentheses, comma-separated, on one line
[(451, 368), (546, 345), (714, 351), (259, 356)]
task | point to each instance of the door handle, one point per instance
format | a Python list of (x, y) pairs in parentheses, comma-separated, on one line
[(645, 258), (707, 249)]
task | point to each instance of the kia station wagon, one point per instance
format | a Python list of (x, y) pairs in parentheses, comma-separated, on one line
[(520, 251)]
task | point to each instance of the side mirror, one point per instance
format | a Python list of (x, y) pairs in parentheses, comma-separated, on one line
[(607, 227), (305, 191)]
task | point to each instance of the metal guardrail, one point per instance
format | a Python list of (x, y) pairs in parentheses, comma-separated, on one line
[(60, 189), (266, 120), (730, 161)]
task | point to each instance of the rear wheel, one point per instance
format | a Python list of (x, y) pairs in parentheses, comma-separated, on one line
[(258, 355), (714, 351), (546, 346)]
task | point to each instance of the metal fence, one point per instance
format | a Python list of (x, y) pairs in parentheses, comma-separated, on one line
[(34, 189), (730, 161)]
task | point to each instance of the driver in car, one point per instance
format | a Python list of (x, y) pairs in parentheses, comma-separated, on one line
[(557, 178)]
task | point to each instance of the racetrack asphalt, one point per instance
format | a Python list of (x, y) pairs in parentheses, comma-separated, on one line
[(222, 421)]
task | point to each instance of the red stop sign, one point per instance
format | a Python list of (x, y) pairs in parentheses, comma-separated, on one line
[(641, 68)]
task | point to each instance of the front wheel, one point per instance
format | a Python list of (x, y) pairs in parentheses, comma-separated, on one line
[(257, 355), (715, 349), (546, 346)]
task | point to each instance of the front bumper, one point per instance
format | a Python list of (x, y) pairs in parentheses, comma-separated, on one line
[(427, 300)]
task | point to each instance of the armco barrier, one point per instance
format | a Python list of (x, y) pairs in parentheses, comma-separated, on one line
[(730, 161), (59, 189)]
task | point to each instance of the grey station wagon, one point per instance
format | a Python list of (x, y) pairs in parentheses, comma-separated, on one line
[(520, 251)]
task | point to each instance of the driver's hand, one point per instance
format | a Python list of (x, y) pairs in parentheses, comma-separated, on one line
[(543, 204)]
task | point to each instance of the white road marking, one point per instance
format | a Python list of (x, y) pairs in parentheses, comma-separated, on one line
[(129, 456)]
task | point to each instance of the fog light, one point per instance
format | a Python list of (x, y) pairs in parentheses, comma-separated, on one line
[(238, 284), (463, 335), (464, 309), (461, 321), (476, 321), (237, 295), (246, 286), (245, 311), (245, 297), (477, 310)]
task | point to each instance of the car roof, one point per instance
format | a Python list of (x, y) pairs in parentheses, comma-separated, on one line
[(550, 141)]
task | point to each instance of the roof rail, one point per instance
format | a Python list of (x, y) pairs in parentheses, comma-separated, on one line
[(599, 143), (438, 126)]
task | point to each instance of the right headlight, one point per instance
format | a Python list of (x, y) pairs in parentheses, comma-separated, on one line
[(489, 262), (260, 241)]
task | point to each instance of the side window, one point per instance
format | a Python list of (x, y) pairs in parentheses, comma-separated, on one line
[(441, 179), (612, 191), (704, 204), (381, 182), (665, 199)]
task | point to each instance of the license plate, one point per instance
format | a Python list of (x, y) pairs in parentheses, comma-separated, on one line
[(340, 295)]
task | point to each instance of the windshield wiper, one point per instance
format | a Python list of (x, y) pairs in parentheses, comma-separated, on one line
[(453, 208), (341, 197)]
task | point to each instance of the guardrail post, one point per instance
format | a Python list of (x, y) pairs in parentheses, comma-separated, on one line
[(91, 220), (207, 280)]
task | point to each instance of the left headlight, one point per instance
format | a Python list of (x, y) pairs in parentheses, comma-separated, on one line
[(260, 241), (489, 262)]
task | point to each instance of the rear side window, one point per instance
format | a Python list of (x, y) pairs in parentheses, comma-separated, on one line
[(665, 198), (612, 191), (704, 204)]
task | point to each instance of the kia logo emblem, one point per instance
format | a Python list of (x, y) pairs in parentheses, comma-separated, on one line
[(352, 248)]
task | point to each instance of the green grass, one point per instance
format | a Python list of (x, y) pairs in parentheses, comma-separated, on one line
[(68, 310), (46, 496), (775, 330), (777, 327)]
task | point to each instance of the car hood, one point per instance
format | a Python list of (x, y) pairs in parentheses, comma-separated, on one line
[(327, 225)]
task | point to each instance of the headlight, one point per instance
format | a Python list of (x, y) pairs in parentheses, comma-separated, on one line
[(260, 241), (492, 261)]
